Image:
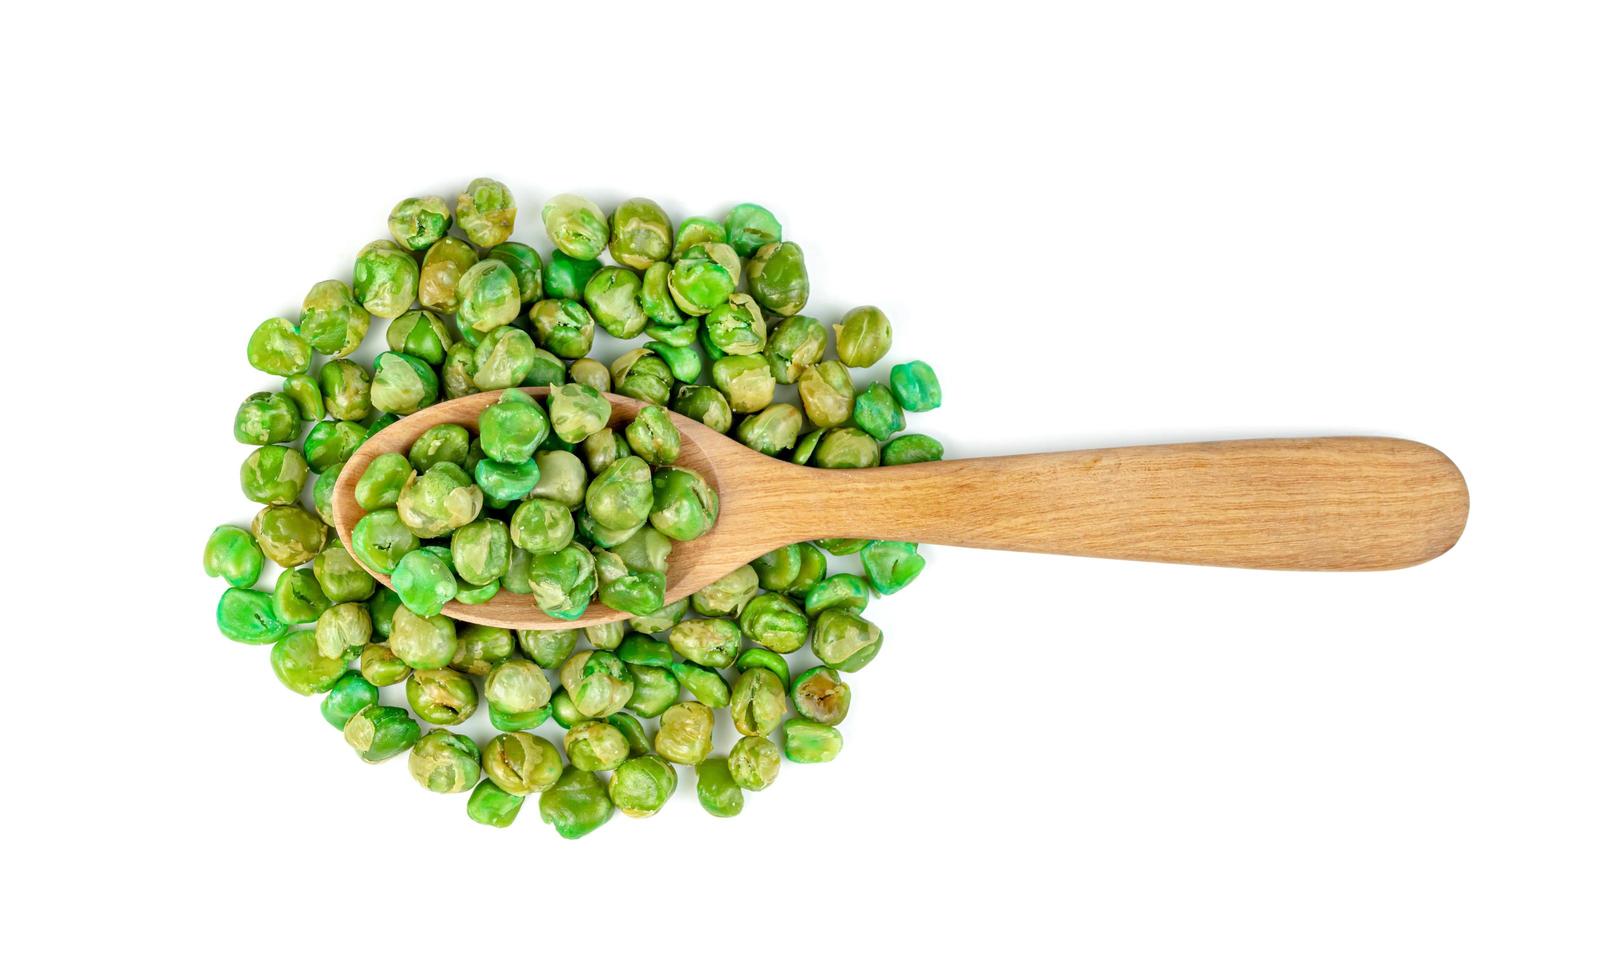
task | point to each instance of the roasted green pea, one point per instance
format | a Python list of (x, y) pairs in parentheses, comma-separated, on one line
[(598, 682), (541, 527), (596, 746), (460, 367), (288, 535), (521, 763), (381, 422), (381, 539), (506, 482), (485, 212), (345, 389), (232, 554), (352, 694), (380, 484), (915, 448), (685, 733), (563, 710), (915, 386), (705, 404), (341, 577), (331, 321), (442, 268), (511, 429), (565, 276), (645, 550), (698, 231), (402, 384), (652, 436), (656, 301), (758, 702), (548, 648), (606, 636), (525, 265), (248, 616), (663, 619), (441, 697), (749, 226), (300, 666), (379, 665), (385, 279), (575, 225), (841, 591), (381, 732), (718, 792), (306, 396), (703, 683), (639, 233), (812, 568), (679, 334), (891, 565), (298, 599), (863, 336), (565, 327), (635, 735), (685, 363), (845, 448), (420, 334), (493, 806), (759, 657), (772, 430), (778, 569), (576, 804), (793, 346), (621, 496), (382, 604), (330, 443), (745, 380), (276, 348), (479, 551), (502, 359), (603, 447), (439, 444), (827, 394), (562, 583), (343, 631), (480, 649), (727, 595), (642, 374), (703, 277), (709, 642), (444, 762), (805, 448), (621, 587), (266, 417), (418, 222), (439, 501), (772, 620), (754, 762), (577, 411), (487, 296), (737, 326), (642, 650), (878, 413), (810, 741), (654, 689), (821, 695), (641, 786), (684, 504), (560, 477), (844, 640), (777, 278), (422, 642)]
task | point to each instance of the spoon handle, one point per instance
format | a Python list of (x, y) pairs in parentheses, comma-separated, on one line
[(1332, 503)]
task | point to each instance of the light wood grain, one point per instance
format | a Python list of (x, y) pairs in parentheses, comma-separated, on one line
[(1346, 503)]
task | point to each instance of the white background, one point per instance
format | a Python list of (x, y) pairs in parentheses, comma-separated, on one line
[(1103, 226)]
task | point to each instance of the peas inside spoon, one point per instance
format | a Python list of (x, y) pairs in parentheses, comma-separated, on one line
[(1341, 503)]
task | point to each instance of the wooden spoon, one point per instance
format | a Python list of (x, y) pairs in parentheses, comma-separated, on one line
[(1328, 504)]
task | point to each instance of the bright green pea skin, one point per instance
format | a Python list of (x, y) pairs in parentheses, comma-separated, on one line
[(562, 583), (506, 482), (652, 436), (656, 300), (577, 411), (773, 430), (381, 732), (575, 225), (777, 278), (914, 448), (248, 616), (779, 568), (877, 413), (891, 565), (379, 665), (502, 359), (685, 363), (845, 447), (421, 334), (698, 231), (331, 321), (718, 792), (821, 695), (564, 326), (480, 551), (422, 642), (352, 694), (548, 648), (685, 733), (276, 348), (503, 721), (596, 746), (511, 429), (576, 804), (441, 697), (701, 279), (643, 374), (915, 386), (642, 786), (525, 264), (288, 535), (326, 483), (299, 665), (331, 443), (759, 702), (563, 710), (385, 279), (844, 640), (485, 212), (418, 222), (380, 484), (521, 763), (381, 539), (863, 337), (232, 554), (603, 447), (265, 417), (663, 619), (704, 683), (754, 762), (424, 582), (807, 741), (565, 276), (655, 689), (444, 762), (805, 448), (639, 234), (638, 592), (642, 650), (340, 576), (765, 660), (709, 642), (542, 527), (298, 598), (621, 496), (402, 384), (493, 806), (749, 226), (613, 297), (635, 735), (380, 423), (812, 569), (841, 591), (442, 443), (306, 396), (682, 334), (685, 506), (382, 603), (774, 621), (705, 404)]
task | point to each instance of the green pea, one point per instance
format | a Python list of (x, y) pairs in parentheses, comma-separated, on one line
[(639, 233), (773, 430), (480, 649), (656, 301), (685, 733), (502, 359), (827, 394), (749, 226), (329, 444), (626, 589), (439, 444), (841, 546), (653, 690), (708, 642), (385, 279), (810, 741), (652, 436), (288, 535), (685, 363), (248, 616), (380, 483), (422, 642), (418, 222), (232, 554), (493, 806), (641, 650), (559, 476), (845, 448), (480, 551), (298, 598), (663, 619), (562, 583), (521, 763), (596, 746), (541, 527), (379, 665), (703, 277), (878, 413), (703, 683), (525, 265), (915, 386), (727, 595), (598, 682), (577, 411), (606, 636), (915, 448), (306, 397), (420, 334), (381, 422), (511, 429), (402, 384), (841, 591), (641, 786), (565, 276), (863, 336), (779, 568), (381, 732), (441, 697), (576, 804), (642, 374), (382, 604), (737, 326), (564, 326), (276, 348), (812, 569), (772, 620), (503, 721), (718, 792), (326, 483), (575, 225), (485, 212), (821, 695), (460, 367), (758, 657), (331, 321), (793, 346), (844, 640), (684, 505), (777, 278), (891, 565), (341, 577), (488, 295), (300, 666), (442, 269), (343, 631), (635, 735), (548, 648), (705, 404), (352, 694), (265, 417), (754, 762), (439, 501), (759, 702), (621, 496), (506, 482), (805, 448), (698, 231), (645, 549), (745, 380), (444, 762), (563, 710), (603, 447), (381, 540), (679, 334)]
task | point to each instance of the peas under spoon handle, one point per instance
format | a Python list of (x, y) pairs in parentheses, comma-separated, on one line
[(1330, 503)]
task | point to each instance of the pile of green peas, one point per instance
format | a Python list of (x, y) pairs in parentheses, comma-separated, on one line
[(461, 517)]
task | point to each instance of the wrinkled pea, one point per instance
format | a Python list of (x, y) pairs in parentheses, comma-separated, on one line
[(737, 326), (727, 595), (642, 374), (777, 278), (745, 380), (639, 234), (305, 395), (298, 663), (596, 746), (564, 326), (444, 762), (662, 619), (684, 504), (248, 616), (548, 648), (891, 565), (703, 683), (914, 448), (766, 660), (331, 321), (343, 631), (512, 427), (441, 697), (877, 413), (418, 222), (275, 347), (525, 264), (845, 448), (329, 443), (381, 540), (493, 806), (402, 384), (827, 393), (381, 732), (521, 763), (841, 591), (288, 535), (265, 417), (758, 702), (653, 690), (439, 501), (385, 279), (844, 640), (561, 583), (485, 212), (705, 404), (479, 551), (641, 786), (718, 792), (341, 577), (232, 554), (380, 483), (749, 226), (821, 695), (298, 599), (773, 430), (352, 694), (502, 359), (422, 642), (793, 346), (442, 269), (575, 225), (754, 762), (576, 804), (379, 665), (577, 411), (772, 620)]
